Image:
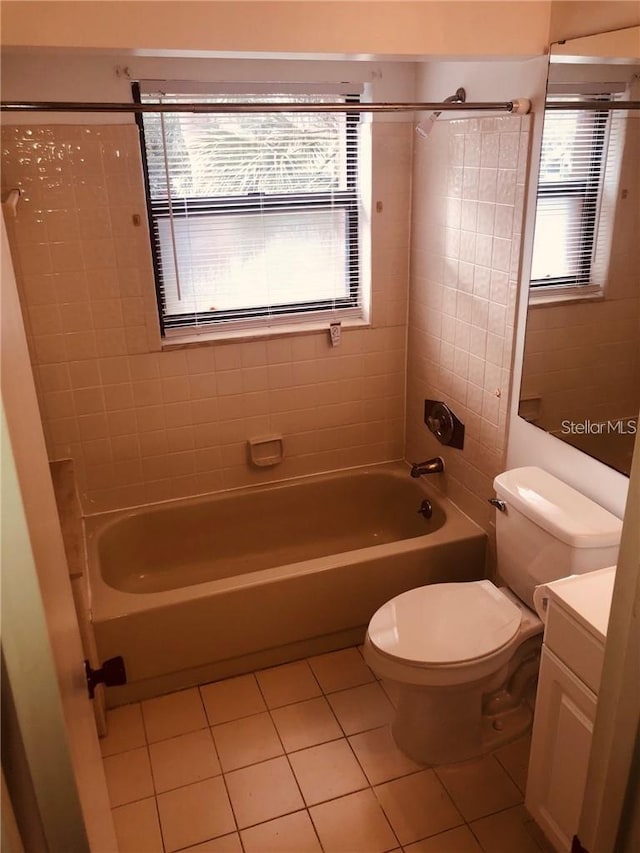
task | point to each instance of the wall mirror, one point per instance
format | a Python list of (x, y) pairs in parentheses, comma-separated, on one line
[(581, 368)]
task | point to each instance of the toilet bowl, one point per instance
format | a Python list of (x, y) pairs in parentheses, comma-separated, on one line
[(449, 649), (448, 634), (461, 656)]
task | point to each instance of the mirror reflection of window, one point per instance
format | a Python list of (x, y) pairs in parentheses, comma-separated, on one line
[(581, 359), (572, 165)]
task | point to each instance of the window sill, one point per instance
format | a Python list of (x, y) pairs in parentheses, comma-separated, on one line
[(541, 296), (187, 341)]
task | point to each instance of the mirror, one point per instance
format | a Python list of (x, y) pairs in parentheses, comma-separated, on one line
[(581, 367)]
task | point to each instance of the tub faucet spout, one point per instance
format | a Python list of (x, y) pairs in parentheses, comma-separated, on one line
[(431, 466)]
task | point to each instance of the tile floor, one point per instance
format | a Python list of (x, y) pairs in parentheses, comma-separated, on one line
[(299, 758)]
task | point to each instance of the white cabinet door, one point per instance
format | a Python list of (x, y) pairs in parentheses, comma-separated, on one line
[(563, 724)]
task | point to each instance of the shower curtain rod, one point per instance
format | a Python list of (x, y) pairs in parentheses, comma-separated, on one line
[(518, 106), (248, 107), (600, 106)]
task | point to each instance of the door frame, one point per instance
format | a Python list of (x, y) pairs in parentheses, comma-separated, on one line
[(609, 811), (42, 650), (37, 728)]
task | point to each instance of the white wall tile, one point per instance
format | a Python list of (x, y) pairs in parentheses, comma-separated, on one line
[(472, 315), (85, 276)]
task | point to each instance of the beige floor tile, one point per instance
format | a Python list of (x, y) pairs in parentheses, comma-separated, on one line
[(128, 776), (124, 730), (392, 689), (379, 756), (231, 699), (418, 806), (195, 813), (514, 757), (224, 844), (137, 827), (353, 824), (293, 833), (361, 708), (505, 832), (339, 670), (246, 741), (306, 724), (263, 792), (292, 682), (173, 714), (459, 840), (479, 788), (327, 771), (183, 760)]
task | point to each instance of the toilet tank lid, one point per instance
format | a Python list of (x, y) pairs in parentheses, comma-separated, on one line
[(560, 510)]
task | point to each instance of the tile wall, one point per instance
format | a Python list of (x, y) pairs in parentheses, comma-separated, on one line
[(145, 425), (468, 198), (582, 360)]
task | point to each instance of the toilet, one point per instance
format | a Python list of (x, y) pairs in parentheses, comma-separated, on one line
[(460, 657)]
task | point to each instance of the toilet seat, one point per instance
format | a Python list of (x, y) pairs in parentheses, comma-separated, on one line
[(447, 633)]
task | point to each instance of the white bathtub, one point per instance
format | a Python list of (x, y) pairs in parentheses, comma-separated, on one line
[(194, 590)]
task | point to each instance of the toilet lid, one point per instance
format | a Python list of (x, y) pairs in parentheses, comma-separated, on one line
[(445, 623)]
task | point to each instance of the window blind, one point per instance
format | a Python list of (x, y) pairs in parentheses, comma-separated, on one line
[(573, 162), (253, 216)]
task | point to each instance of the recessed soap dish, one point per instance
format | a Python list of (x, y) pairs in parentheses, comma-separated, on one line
[(266, 451)]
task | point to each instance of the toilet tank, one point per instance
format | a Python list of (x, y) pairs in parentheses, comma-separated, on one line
[(549, 531)]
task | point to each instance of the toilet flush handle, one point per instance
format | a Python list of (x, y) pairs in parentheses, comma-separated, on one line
[(498, 504)]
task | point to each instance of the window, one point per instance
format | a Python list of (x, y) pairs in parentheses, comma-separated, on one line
[(572, 166), (253, 216)]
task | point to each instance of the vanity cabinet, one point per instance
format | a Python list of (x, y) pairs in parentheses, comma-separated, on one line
[(568, 684), (565, 712)]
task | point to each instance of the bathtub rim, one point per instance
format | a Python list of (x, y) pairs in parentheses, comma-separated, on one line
[(107, 602)]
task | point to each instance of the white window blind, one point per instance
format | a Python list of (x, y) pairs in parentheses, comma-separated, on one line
[(253, 216), (572, 169)]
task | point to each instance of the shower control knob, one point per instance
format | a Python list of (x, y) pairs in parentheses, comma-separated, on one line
[(112, 673), (442, 422)]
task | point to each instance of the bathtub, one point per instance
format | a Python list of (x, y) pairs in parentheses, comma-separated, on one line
[(194, 590)]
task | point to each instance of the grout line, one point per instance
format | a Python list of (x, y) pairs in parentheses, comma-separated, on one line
[(372, 789), (285, 755), (224, 780), (273, 723), (506, 769), (157, 807), (305, 808)]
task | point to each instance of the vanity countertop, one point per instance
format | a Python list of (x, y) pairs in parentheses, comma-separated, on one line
[(587, 598)]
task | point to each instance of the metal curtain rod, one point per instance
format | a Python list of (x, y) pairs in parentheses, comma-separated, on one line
[(519, 106), (592, 105), (247, 107)]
